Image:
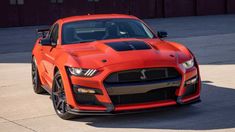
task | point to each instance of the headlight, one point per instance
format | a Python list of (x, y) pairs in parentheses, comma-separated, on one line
[(188, 64), (82, 72)]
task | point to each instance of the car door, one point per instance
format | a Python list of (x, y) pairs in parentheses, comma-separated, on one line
[(48, 53)]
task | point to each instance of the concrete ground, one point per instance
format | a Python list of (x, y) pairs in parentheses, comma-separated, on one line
[(211, 38)]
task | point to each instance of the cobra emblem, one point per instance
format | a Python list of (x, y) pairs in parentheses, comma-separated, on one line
[(143, 76)]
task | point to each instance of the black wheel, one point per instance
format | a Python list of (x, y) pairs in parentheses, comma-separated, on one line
[(59, 99), (35, 79)]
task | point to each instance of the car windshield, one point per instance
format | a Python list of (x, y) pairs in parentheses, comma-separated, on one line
[(92, 30)]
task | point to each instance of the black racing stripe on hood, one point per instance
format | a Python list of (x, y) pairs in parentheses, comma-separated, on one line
[(128, 45)]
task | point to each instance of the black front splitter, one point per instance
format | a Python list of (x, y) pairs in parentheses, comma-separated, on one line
[(111, 112)]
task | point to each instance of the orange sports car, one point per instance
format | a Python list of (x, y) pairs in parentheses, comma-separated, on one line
[(109, 64)]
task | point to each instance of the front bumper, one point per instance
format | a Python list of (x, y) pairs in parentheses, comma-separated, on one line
[(105, 106)]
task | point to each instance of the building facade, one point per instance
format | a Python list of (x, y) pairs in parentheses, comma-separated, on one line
[(41, 12)]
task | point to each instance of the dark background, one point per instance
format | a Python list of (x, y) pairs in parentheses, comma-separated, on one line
[(43, 12)]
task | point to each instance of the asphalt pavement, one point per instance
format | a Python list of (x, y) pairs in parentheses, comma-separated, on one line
[(211, 38)]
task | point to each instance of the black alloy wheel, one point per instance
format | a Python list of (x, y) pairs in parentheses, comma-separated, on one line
[(59, 99)]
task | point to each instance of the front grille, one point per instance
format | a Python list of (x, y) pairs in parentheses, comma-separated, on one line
[(124, 87), (151, 96), (140, 75)]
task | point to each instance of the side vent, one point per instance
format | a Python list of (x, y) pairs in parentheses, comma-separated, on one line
[(128, 45)]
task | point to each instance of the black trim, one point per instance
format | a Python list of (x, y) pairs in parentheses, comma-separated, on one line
[(87, 112), (179, 101), (190, 90), (46, 88), (81, 112), (86, 98), (109, 110), (144, 87)]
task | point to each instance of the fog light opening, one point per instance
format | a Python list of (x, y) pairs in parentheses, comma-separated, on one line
[(191, 81), (86, 91)]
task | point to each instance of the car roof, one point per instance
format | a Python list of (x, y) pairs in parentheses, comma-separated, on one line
[(93, 17)]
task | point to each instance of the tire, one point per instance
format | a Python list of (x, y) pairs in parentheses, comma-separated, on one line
[(36, 79), (59, 99)]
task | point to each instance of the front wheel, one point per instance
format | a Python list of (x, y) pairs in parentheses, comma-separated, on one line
[(59, 99), (35, 78)]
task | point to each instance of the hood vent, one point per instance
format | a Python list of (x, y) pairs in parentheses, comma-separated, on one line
[(129, 45)]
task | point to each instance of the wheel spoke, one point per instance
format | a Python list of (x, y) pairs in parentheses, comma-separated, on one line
[(61, 84), (57, 83), (56, 93), (63, 107), (59, 98), (58, 104)]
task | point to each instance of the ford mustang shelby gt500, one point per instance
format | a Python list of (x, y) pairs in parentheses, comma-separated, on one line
[(99, 64)]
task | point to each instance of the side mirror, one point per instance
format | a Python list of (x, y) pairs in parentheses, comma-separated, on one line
[(162, 34), (42, 32), (45, 42)]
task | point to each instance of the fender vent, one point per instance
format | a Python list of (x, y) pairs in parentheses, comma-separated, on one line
[(128, 45)]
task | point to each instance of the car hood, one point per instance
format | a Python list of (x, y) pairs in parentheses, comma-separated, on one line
[(139, 52)]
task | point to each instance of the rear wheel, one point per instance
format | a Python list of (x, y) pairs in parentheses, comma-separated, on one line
[(35, 78), (59, 99)]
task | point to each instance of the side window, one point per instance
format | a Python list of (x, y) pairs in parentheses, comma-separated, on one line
[(54, 34)]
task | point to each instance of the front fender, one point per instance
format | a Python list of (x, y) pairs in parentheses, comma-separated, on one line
[(60, 63)]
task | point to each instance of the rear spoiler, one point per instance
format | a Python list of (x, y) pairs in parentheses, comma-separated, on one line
[(42, 32)]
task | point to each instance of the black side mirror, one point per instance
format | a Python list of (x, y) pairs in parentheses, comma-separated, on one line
[(42, 32), (162, 34), (45, 42)]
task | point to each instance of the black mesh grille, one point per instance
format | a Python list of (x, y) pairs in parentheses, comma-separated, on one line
[(151, 96), (87, 99), (139, 75), (190, 90)]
